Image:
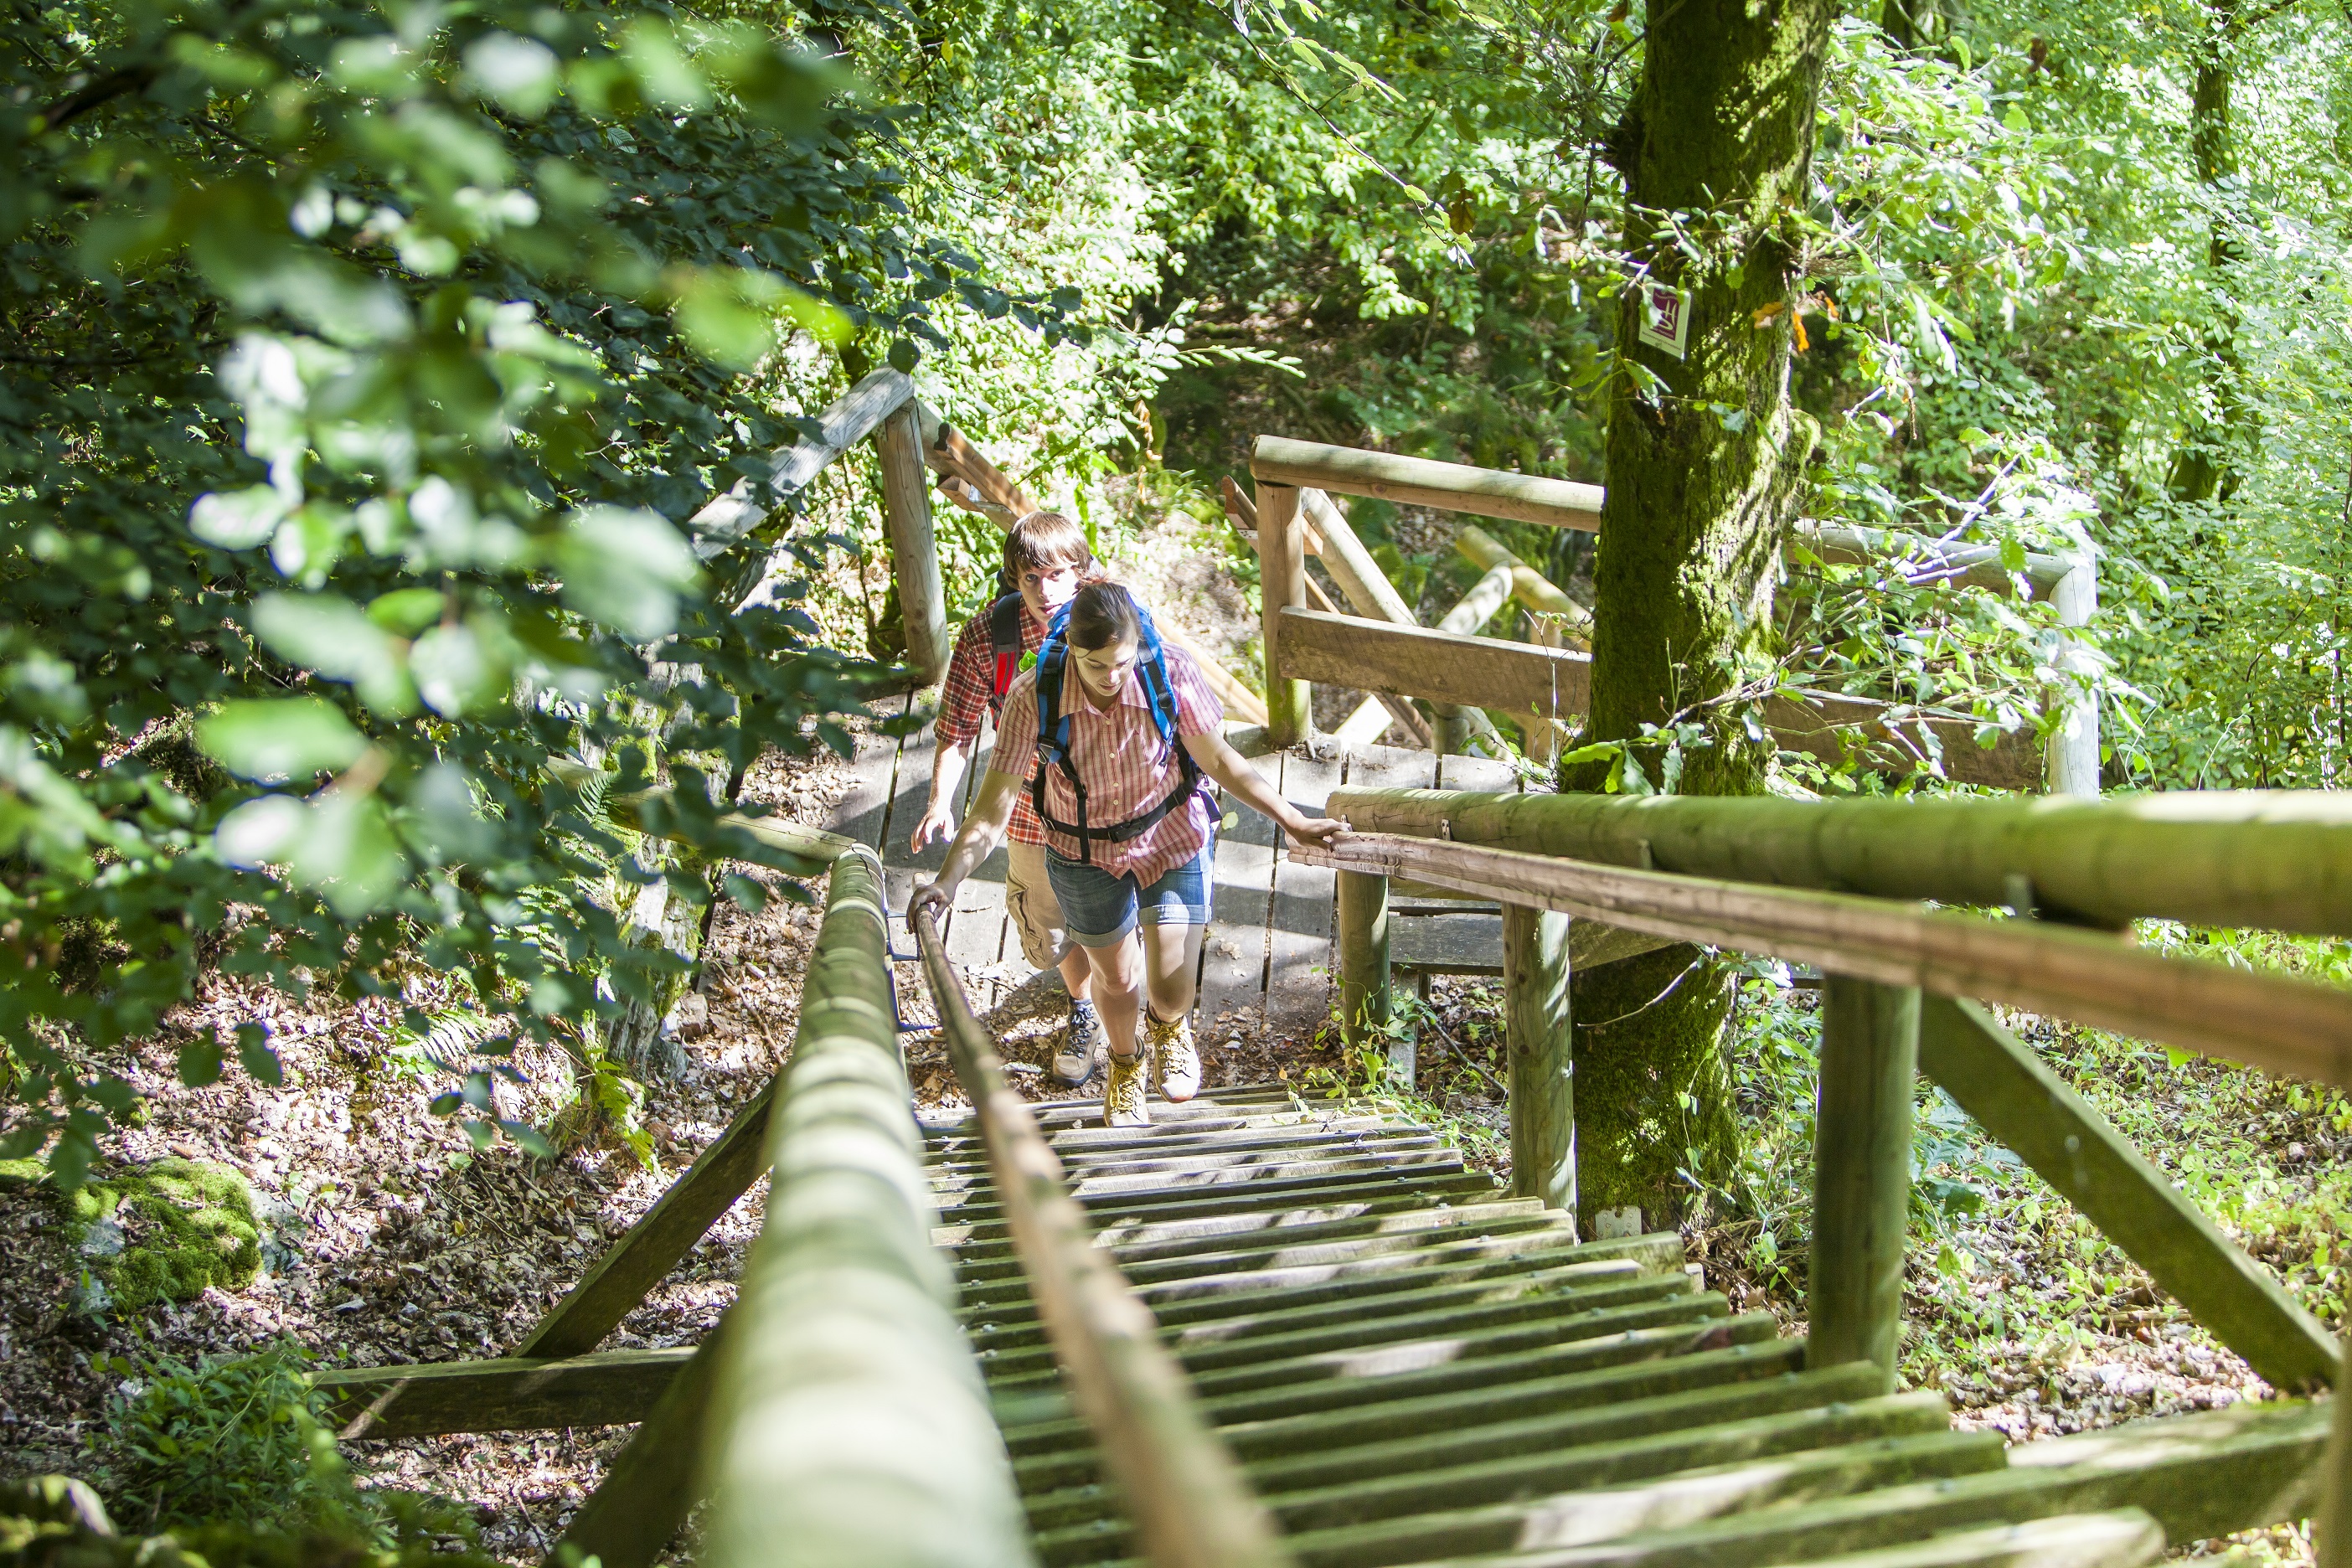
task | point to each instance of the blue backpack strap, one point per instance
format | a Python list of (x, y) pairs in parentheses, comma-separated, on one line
[(1054, 731)]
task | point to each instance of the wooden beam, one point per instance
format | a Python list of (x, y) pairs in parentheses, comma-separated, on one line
[(946, 451), (914, 550), (1375, 597), (2015, 1096), (660, 1239), (1827, 724), (507, 1394), (1862, 1175), (1918, 558), (653, 1484), (1536, 956), (1510, 677), (1282, 577), (726, 520), (2331, 1537), (2268, 1021), (1364, 981), (2279, 858), (1242, 512), (848, 1422), (1417, 481), (1530, 586)]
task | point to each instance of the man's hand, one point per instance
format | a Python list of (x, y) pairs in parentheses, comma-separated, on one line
[(932, 896), (936, 826), (1316, 831)]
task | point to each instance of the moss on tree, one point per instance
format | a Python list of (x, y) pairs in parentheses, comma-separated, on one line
[(1653, 1085)]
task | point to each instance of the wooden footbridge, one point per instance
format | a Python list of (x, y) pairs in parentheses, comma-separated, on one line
[(1269, 1330)]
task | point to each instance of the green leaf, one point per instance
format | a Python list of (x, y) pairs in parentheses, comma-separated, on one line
[(751, 896), (275, 741), (253, 1050), (347, 853), (517, 74), (626, 569), (200, 1062), (454, 672), (333, 636), (239, 520), (405, 612)]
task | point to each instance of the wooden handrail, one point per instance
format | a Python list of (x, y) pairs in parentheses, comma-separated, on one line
[(2275, 859), (849, 1422), (1190, 1506), (2267, 1021), (1419, 481)]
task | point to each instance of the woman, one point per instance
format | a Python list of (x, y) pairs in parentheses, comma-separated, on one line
[(1129, 727)]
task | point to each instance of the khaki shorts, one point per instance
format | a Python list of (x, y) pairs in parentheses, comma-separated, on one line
[(1029, 899)]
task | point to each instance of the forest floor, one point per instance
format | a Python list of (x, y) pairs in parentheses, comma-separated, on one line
[(391, 1239)]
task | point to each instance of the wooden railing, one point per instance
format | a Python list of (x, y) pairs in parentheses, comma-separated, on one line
[(1842, 886), (1381, 650), (1190, 1506)]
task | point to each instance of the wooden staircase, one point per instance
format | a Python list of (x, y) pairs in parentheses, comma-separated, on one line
[(1410, 1366)]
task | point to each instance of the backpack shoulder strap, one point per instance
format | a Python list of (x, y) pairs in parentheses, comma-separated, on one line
[(1004, 648)]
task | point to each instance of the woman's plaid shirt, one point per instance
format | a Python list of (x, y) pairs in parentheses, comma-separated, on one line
[(1125, 765)]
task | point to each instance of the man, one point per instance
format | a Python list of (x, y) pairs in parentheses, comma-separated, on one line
[(1047, 559)]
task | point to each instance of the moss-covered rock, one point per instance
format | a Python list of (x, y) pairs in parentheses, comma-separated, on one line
[(165, 1230)]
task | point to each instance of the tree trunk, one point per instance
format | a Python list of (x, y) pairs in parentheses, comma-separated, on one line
[(1705, 453), (2205, 469)]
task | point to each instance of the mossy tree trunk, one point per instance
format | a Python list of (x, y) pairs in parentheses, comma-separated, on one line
[(2206, 467), (1704, 457)]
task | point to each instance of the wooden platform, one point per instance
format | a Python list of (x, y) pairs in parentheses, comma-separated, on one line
[(1268, 959)]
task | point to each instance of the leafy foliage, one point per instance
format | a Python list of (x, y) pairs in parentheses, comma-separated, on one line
[(362, 365), (224, 1438)]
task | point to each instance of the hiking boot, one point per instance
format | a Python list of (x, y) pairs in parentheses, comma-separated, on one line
[(1123, 1093), (1176, 1059), (1083, 1047)]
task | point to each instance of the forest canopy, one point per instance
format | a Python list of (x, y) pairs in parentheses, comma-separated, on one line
[(364, 367)]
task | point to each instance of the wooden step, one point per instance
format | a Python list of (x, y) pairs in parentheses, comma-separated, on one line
[(1412, 1368)]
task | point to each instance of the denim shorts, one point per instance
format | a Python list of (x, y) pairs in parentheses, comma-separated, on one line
[(1098, 909)]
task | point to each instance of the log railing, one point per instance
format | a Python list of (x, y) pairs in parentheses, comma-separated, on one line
[(1190, 1506), (1294, 477), (1843, 886)]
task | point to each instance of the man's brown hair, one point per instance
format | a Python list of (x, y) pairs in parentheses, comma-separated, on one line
[(1044, 540)]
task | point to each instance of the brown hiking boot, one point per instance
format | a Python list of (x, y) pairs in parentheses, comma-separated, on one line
[(1176, 1059), (1123, 1092)]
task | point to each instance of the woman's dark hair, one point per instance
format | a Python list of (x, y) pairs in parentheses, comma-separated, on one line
[(1102, 614)]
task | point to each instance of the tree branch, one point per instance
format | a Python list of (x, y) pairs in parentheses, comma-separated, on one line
[(92, 95)]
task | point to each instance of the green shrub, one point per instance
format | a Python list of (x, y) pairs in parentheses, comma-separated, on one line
[(56, 1521), (186, 1225), (241, 1439)]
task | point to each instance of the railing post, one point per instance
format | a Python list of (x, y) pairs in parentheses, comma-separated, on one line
[(2072, 759), (1282, 584), (914, 551), (1862, 1173), (1364, 1008), (1543, 1067)]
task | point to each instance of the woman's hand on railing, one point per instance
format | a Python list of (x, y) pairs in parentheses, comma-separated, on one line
[(936, 897), (1313, 832)]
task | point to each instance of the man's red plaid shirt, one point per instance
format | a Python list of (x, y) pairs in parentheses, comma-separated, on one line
[(964, 708)]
